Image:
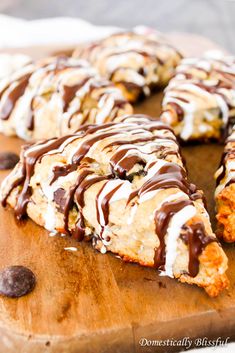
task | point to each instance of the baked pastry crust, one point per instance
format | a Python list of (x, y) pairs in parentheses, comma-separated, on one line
[(199, 102), (136, 62), (225, 192), (123, 186), (54, 96)]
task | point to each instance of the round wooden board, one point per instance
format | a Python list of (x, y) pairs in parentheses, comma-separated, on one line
[(88, 302)]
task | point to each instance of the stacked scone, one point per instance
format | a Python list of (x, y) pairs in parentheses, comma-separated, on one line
[(135, 62), (54, 96), (124, 186), (199, 102)]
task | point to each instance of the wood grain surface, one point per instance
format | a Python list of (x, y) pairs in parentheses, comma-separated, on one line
[(91, 303)]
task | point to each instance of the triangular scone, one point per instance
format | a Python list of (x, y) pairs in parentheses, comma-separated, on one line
[(199, 102), (136, 61), (54, 97), (225, 192), (124, 186)]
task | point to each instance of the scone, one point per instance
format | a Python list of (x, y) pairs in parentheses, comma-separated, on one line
[(134, 61), (122, 185), (225, 192), (199, 102), (54, 96), (12, 62)]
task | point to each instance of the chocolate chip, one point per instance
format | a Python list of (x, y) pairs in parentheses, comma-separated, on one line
[(59, 198), (16, 281), (8, 160)]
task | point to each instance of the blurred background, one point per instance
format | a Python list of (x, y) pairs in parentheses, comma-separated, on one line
[(211, 18)]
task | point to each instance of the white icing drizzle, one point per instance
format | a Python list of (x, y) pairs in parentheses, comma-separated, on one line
[(191, 90), (44, 99), (123, 55), (173, 233), (126, 130), (122, 193), (230, 174), (228, 164), (223, 108), (106, 105)]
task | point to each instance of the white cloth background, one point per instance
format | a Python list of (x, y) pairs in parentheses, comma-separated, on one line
[(19, 33)]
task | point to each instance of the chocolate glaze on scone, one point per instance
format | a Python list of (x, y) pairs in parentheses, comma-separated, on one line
[(225, 192), (135, 62), (199, 102), (53, 97), (124, 186)]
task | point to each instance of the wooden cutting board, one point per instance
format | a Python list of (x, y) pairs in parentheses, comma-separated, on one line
[(90, 303)]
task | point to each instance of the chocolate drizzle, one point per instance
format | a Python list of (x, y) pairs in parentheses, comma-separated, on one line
[(105, 204), (59, 171), (121, 163), (134, 134), (128, 44), (86, 184), (162, 219), (86, 107), (169, 176), (178, 109), (228, 154), (196, 239), (214, 84), (85, 147), (69, 200), (30, 124), (30, 158), (13, 96), (70, 92)]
